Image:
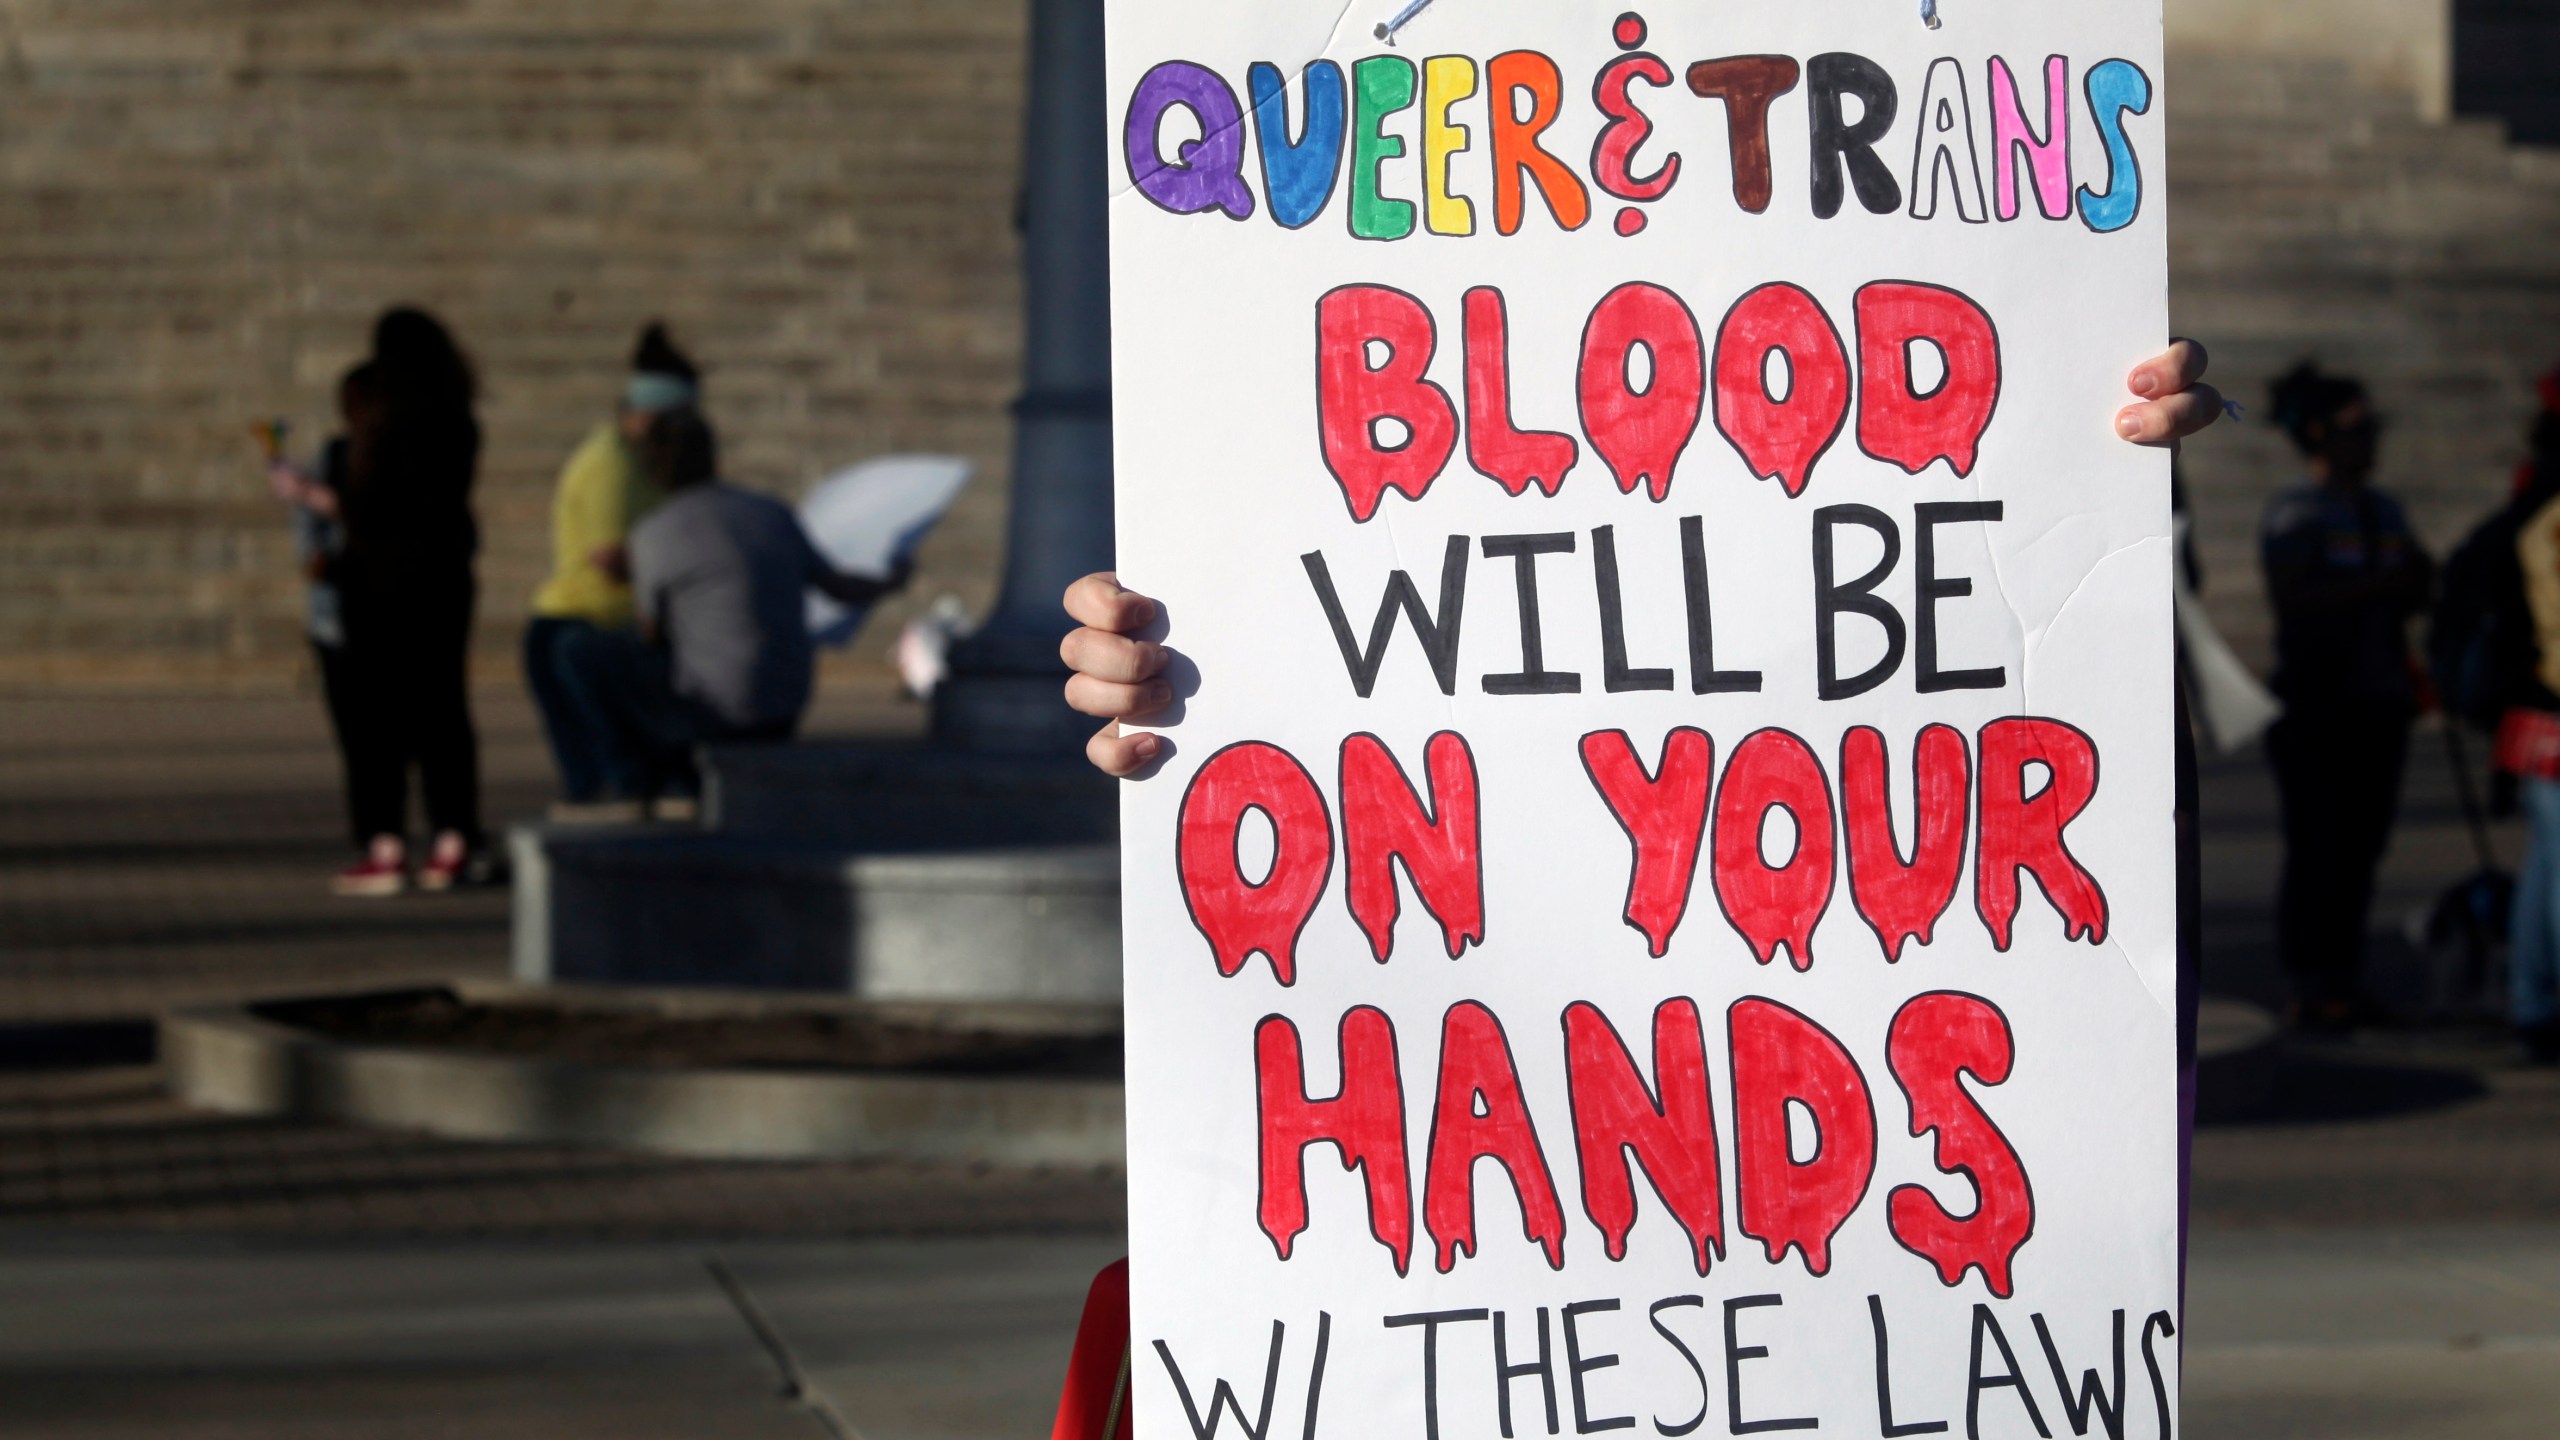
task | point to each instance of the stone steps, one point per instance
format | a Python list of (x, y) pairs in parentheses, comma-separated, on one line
[(2315, 216), (206, 205), (201, 220)]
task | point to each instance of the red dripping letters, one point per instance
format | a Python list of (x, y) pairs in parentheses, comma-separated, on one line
[(1664, 815), (1781, 1060), (1780, 437), (1774, 905), (1902, 900), (1672, 1130), (1804, 1133), (2034, 779), (1897, 420), (1641, 431), (1241, 916), (1383, 822), (1937, 1039), (1481, 1113), (1356, 399), (1778, 380), (1512, 458), (1364, 1121), (2023, 832)]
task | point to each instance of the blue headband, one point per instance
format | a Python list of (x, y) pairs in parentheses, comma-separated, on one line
[(650, 390)]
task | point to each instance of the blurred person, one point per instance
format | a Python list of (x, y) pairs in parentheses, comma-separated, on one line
[(2528, 745), (315, 492), (2482, 645), (719, 578), (2344, 573), (603, 491), (402, 572)]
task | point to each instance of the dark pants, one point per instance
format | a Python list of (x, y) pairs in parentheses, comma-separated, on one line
[(648, 730), (346, 724), (2338, 776), (573, 717), (399, 694)]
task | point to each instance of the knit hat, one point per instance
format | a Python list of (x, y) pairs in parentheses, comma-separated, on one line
[(662, 378)]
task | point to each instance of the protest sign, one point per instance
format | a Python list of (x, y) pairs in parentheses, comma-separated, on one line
[(1658, 914)]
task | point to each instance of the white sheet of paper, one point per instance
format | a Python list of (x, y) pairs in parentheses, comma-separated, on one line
[(1285, 889), (868, 517)]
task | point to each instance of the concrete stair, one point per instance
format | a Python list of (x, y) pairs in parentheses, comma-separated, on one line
[(2311, 215), (203, 205), (885, 871)]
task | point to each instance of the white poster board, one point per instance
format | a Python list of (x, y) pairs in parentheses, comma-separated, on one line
[(1672, 772), (867, 519)]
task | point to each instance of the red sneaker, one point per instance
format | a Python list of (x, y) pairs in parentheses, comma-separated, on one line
[(445, 864), (373, 877)]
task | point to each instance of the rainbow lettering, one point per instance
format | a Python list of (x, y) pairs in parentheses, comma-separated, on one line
[(1305, 135)]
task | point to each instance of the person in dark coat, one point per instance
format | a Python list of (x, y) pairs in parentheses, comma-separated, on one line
[(405, 594), (2345, 574)]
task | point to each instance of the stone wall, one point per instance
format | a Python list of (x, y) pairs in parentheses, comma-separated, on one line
[(2314, 215), (203, 203), (2401, 45)]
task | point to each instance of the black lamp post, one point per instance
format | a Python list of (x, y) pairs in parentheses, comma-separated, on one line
[(1003, 691)]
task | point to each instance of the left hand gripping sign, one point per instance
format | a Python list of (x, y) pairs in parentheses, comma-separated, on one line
[(1658, 915)]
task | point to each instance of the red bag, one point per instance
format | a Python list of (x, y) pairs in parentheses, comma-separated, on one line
[(2528, 744)]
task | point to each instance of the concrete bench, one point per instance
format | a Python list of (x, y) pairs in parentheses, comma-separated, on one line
[(884, 871)]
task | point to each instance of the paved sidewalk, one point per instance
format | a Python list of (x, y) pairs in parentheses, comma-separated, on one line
[(2436, 1333), (165, 851), (2418, 1333), (107, 1152), (2378, 1252), (156, 852), (211, 1341)]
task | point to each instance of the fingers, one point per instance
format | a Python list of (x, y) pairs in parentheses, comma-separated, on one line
[(1116, 677), (2165, 422), (1116, 754), (1112, 700), (1097, 600), (2172, 370), (1106, 656)]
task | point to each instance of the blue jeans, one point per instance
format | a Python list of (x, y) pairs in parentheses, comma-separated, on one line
[(2533, 955), (646, 731), (574, 720)]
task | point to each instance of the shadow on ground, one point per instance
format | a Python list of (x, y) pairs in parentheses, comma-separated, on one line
[(77, 1044), (2309, 1084)]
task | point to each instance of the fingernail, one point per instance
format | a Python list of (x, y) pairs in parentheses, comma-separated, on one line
[(1145, 747), (2143, 384), (1159, 693), (2129, 425)]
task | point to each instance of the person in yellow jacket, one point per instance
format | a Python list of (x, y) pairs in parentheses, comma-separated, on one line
[(2529, 748), (603, 492)]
